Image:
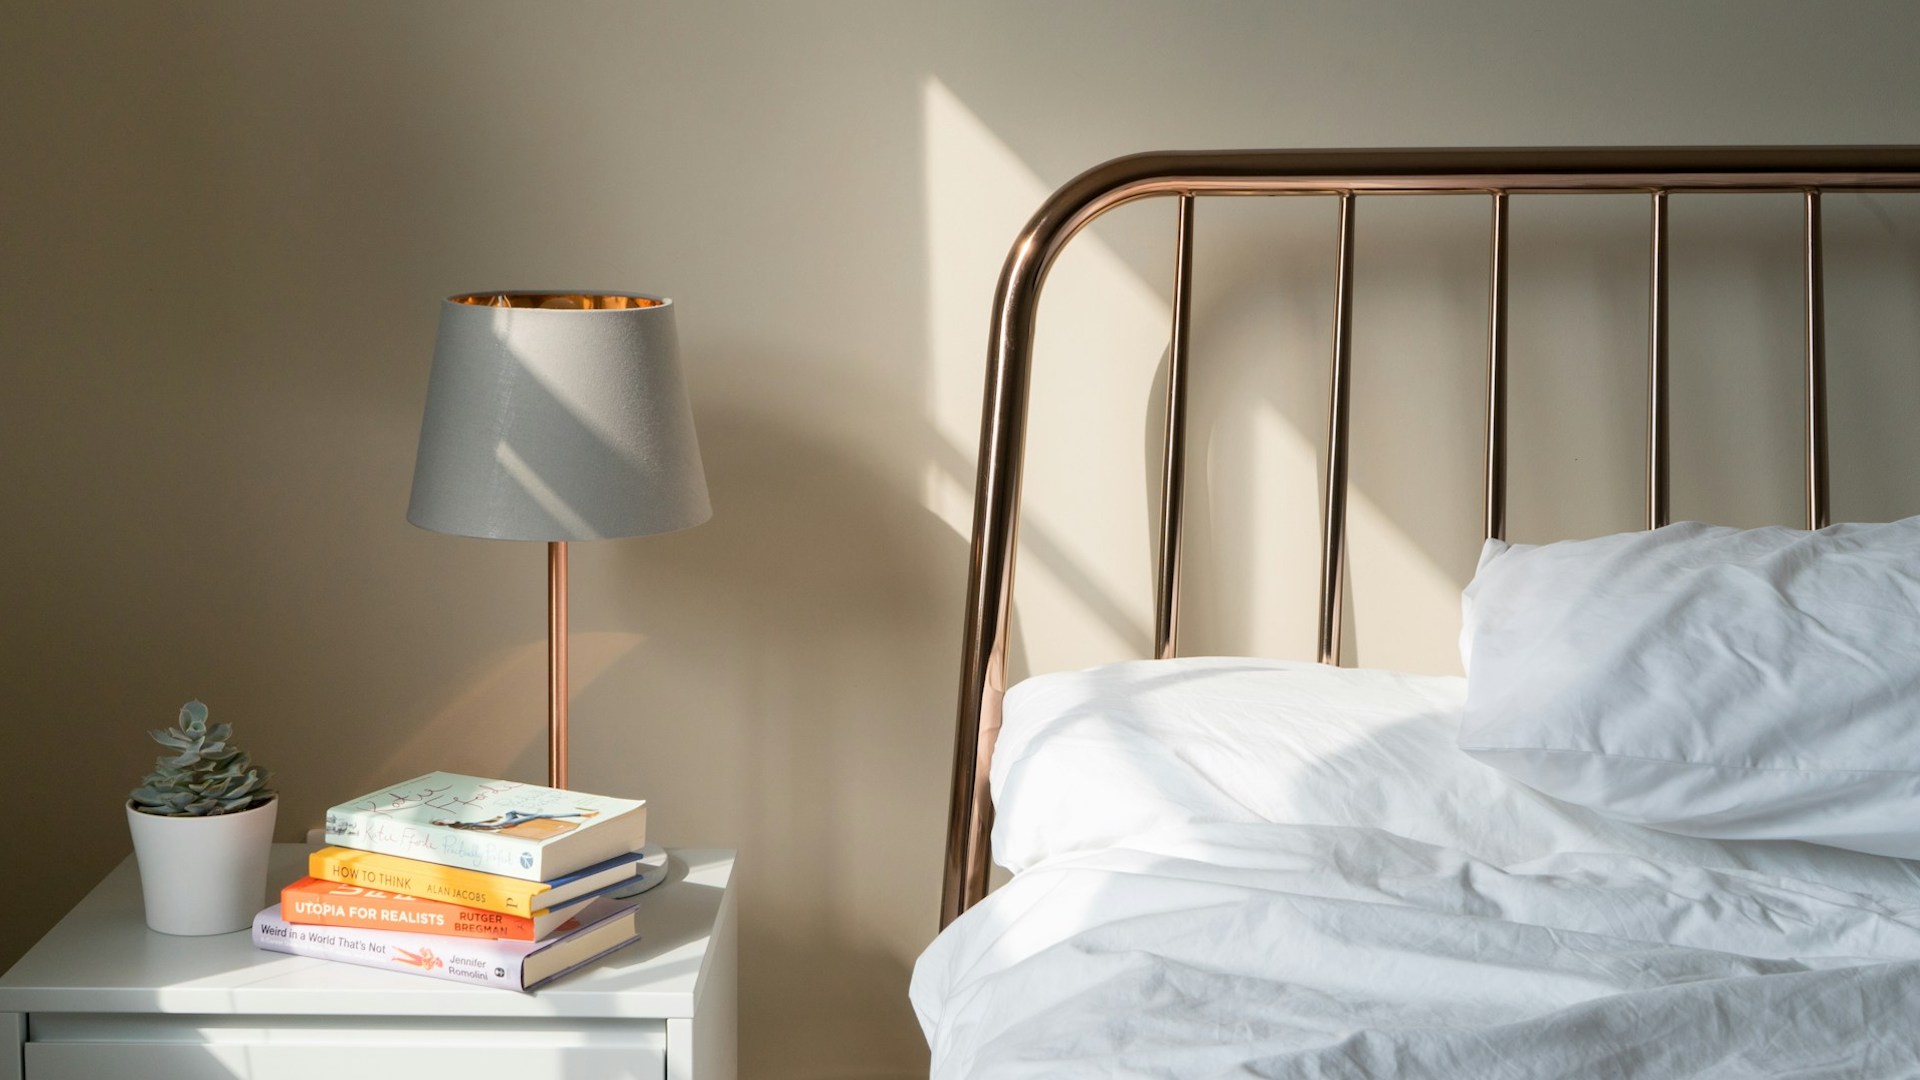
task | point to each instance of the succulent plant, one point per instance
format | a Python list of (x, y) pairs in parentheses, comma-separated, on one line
[(203, 773)]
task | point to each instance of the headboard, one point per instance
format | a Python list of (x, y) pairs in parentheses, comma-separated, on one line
[(1346, 175)]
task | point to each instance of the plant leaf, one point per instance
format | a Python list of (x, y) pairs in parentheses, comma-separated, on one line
[(172, 739)]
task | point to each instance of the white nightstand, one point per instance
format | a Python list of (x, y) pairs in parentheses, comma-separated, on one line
[(101, 996)]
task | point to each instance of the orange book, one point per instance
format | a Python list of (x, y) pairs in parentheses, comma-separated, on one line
[(330, 903)]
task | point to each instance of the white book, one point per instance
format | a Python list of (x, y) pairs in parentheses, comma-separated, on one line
[(494, 826)]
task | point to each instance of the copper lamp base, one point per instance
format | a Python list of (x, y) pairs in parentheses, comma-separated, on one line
[(557, 664)]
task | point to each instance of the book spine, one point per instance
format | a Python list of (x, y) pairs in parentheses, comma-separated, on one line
[(488, 853), (429, 880), (463, 960), (328, 903)]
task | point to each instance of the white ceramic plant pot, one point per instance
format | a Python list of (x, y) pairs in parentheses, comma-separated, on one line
[(203, 875)]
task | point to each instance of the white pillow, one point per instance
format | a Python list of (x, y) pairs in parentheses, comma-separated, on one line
[(1757, 683), (1092, 759), (1087, 759)]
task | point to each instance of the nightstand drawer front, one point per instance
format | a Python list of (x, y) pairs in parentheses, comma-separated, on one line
[(75, 1047)]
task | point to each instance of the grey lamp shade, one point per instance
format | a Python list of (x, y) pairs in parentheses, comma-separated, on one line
[(557, 416)]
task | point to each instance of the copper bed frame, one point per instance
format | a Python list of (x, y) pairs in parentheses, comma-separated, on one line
[(1347, 175)]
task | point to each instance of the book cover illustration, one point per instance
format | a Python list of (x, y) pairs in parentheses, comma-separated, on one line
[(495, 826), (601, 927)]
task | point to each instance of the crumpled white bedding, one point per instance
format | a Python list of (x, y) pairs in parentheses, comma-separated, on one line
[(1331, 951), (1265, 869)]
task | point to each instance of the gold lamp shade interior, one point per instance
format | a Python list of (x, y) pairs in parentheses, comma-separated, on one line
[(556, 301)]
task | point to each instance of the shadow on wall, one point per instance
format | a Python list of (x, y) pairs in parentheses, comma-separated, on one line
[(790, 702)]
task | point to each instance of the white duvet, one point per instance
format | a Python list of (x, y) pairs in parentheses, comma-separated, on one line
[(1465, 927)]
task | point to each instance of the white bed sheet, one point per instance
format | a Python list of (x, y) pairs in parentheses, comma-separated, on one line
[(1246, 931)]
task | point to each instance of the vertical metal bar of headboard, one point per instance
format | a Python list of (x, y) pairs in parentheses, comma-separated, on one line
[(1173, 477), (1497, 374), (1818, 507), (1659, 467), (1333, 532)]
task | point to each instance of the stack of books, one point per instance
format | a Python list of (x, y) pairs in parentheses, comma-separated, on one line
[(478, 881)]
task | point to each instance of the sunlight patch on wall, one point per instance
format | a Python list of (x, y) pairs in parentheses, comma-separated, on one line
[(978, 194), (1089, 512), (1085, 527), (1404, 591), (1257, 466), (491, 710), (1259, 585)]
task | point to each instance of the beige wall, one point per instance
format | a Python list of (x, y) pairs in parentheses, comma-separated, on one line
[(226, 227)]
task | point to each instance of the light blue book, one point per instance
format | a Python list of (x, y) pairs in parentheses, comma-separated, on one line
[(493, 826)]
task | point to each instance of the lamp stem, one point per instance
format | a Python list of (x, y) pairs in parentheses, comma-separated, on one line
[(557, 663)]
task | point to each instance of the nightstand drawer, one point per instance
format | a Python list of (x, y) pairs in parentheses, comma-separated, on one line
[(88, 1047)]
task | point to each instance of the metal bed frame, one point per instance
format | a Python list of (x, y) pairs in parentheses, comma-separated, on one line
[(1345, 174)]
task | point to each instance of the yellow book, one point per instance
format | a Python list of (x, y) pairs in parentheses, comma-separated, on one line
[(469, 888)]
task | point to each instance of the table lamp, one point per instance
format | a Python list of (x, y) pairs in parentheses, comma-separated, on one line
[(557, 416)]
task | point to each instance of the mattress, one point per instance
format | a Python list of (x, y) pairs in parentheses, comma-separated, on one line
[(1242, 867)]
